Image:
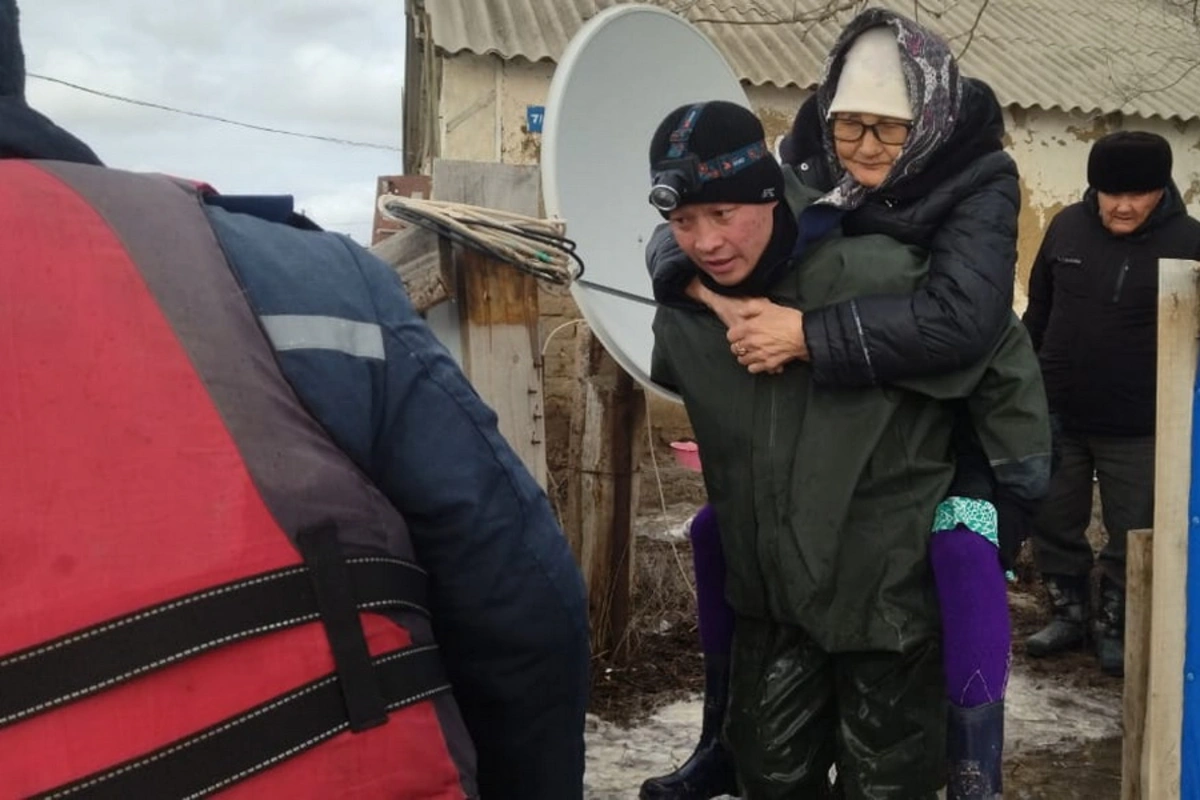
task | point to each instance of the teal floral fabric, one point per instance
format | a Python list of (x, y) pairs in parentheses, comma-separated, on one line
[(978, 515)]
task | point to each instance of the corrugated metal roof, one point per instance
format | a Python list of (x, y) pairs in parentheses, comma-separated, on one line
[(1135, 56)]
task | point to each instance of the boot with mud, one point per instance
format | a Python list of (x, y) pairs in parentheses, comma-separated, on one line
[(1069, 617), (709, 772), (1110, 629)]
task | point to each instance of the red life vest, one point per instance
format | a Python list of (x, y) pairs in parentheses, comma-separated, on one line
[(160, 633)]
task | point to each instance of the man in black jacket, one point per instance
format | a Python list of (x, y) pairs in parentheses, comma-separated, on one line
[(1093, 300)]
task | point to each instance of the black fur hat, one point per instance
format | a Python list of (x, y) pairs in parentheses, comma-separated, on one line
[(722, 129), (1129, 161), (12, 59)]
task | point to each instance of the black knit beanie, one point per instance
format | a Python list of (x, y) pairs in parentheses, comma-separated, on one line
[(720, 129), (1129, 161), (12, 59)]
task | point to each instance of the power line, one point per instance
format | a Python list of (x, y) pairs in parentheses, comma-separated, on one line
[(213, 117)]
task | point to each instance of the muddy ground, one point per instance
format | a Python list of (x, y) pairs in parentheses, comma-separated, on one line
[(1063, 736)]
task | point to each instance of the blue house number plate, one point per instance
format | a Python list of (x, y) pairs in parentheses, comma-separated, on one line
[(534, 117)]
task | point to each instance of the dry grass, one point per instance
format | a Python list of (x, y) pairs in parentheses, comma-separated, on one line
[(664, 594), (661, 660)]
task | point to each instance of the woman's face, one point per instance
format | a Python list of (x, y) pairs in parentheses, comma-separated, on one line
[(868, 145)]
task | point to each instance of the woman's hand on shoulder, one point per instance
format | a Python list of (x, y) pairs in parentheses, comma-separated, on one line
[(763, 336), (769, 339)]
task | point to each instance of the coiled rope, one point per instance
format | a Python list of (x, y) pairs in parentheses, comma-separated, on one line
[(532, 245)]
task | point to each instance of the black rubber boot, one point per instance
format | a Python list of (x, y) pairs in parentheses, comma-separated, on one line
[(1110, 629), (1068, 627), (975, 747), (832, 791), (709, 771)]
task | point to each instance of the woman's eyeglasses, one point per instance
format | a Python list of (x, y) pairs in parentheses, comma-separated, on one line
[(852, 130)]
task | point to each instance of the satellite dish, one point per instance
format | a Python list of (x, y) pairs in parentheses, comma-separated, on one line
[(622, 73)]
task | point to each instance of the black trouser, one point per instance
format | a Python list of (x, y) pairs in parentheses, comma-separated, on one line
[(1124, 467), (795, 710)]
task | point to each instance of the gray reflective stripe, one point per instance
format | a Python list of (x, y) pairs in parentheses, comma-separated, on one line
[(301, 332)]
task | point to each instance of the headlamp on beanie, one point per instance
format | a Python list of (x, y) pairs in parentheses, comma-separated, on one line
[(675, 180), (681, 175), (679, 179), (1129, 162)]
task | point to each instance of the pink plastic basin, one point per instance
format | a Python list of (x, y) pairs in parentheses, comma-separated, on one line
[(687, 454)]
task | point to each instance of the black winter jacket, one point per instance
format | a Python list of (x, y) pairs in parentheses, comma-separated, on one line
[(1093, 311), (962, 208), (24, 133)]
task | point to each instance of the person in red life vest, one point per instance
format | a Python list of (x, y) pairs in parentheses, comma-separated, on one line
[(261, 538)]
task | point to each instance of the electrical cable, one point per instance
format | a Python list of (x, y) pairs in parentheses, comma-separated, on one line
[(531, 245), (558, 330), (212, 117)]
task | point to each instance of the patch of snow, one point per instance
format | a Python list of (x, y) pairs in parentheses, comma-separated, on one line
[(668, 526)]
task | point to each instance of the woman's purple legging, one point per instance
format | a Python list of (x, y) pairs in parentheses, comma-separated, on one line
[(970, 587)]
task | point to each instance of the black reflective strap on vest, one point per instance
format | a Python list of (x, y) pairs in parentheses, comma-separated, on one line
[(243, 746), (91, 660), (331, 580)]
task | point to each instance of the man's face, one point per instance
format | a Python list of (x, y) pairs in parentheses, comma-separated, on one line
[(726, 240), (1124, 213)]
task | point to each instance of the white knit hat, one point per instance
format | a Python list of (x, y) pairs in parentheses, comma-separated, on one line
[(872, 81)]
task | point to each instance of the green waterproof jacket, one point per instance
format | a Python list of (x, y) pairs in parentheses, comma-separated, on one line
[(825, 496)]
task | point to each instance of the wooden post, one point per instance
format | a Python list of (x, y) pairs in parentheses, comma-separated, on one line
[(1178, 349), (498, 308), (1139, 567), (607, 425)]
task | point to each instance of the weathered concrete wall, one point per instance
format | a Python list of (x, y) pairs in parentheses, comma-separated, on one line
[(483, 118), (776, 108), (470, 108), (475, 125)]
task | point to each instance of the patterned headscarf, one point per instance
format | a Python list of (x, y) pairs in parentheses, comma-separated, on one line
[(934, 90)]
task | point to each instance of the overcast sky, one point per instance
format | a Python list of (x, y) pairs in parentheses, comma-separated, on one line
[(327, 67)]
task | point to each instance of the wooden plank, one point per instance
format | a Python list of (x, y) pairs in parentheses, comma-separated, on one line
[(498, 308), (1178, 315), (1139, 569), (607, 429), (422, 260)]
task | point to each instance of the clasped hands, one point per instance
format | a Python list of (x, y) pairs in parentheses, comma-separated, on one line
[(762, 335)]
